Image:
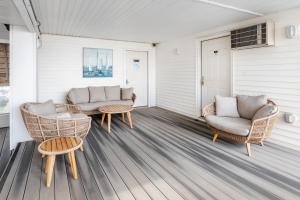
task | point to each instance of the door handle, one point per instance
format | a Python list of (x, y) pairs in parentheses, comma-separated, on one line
[(127, 82)]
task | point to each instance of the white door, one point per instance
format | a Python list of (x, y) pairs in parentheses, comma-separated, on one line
[(216, 69), (137, 75)]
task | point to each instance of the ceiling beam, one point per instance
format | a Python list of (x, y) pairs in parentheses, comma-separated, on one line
[(229, 7), (26, 11)]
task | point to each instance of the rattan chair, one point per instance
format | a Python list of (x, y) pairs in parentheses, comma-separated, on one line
[(42, 128), (259, 131)]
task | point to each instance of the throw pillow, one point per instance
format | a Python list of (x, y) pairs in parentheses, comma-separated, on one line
[(249, 105), (127, 93), (97, 94), (46, 108), (79, 95), (226, 107), (112, 93), (265, 111)]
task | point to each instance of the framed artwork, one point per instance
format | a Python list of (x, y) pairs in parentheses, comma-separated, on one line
[(97, 62)]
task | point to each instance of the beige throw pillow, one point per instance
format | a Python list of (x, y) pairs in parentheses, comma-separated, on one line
[(127, 93), (97, 94), (46, 108), (249, 105), (265, 111), (113, 93), (226, 107)]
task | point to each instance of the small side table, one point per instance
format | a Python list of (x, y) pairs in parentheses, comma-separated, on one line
[(59, 146)]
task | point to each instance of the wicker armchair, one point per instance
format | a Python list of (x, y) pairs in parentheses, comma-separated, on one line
[(259, 131), (42, 127)]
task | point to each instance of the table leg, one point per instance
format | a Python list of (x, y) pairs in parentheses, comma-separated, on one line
[(129, 119), (50, 166), (102, 121), (109, 121), (123, 117), (73, 165)]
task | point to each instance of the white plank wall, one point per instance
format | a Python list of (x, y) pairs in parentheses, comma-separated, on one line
[(176, 76), (274, 71), (60, 65)]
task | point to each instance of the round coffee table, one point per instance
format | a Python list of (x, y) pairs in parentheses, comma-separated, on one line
[(115, 109), (59, 146)]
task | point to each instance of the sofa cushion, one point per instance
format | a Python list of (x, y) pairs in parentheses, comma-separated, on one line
[(79, 95), (233, 125), (226, 107), (46, 108), (62, 115), (265, 111), (96, 105), (112, 93), (249, 105), (127, 93), (97, 94)]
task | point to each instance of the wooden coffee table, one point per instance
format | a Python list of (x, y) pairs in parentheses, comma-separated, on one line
[(115, 109)]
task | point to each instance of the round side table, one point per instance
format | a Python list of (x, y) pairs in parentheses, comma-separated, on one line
[(59, 146)]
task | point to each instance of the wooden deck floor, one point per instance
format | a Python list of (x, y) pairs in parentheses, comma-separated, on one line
[(4, 148), (165, 156)]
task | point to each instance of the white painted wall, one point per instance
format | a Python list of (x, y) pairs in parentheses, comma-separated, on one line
[(60, 65), (273, 71), (22, 79)]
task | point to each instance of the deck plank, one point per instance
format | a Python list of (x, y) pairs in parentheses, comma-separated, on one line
[(165, 156), (33, 186), (20, 181)]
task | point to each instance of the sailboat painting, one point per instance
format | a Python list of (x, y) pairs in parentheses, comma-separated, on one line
[(97, 62)]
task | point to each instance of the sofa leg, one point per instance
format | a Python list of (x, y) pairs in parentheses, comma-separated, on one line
[(215, 137), (248, 149), (262, 143)]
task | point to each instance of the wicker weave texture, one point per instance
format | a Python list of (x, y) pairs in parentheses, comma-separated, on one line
[(42, 128)]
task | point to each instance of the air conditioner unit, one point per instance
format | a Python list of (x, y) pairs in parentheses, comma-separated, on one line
[(259, 35)]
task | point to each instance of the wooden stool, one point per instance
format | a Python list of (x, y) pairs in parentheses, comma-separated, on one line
[(59, 146)]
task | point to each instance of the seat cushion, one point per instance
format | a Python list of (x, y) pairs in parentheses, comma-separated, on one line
[(226, 107), (233, 125), (97, 94), (46, 108), (249, 105), (62, 115), (126, 93), (96, 105), (79, 95), (265, 111), (112, 93)]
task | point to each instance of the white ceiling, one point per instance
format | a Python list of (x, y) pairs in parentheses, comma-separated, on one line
[(144, 20), (9, 13)]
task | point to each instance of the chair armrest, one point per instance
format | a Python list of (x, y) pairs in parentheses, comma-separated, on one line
[(262, 128), (209, 109), (133, 97)]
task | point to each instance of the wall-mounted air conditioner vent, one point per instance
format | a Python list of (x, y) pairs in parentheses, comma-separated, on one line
[(253, 36)]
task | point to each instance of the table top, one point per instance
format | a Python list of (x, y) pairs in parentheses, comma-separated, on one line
[(60, 145), (115, 108)]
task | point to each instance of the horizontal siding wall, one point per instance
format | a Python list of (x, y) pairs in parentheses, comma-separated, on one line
[(274, 71), (176, 76), (60, 61)]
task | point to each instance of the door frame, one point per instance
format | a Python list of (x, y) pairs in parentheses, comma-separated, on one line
[(148, 79), (199, 68)]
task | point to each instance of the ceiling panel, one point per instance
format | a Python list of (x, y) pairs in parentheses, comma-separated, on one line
[(9, 13), (143, 20)]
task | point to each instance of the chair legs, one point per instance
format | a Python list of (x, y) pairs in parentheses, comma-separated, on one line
[(248, 146), (215, 137)]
